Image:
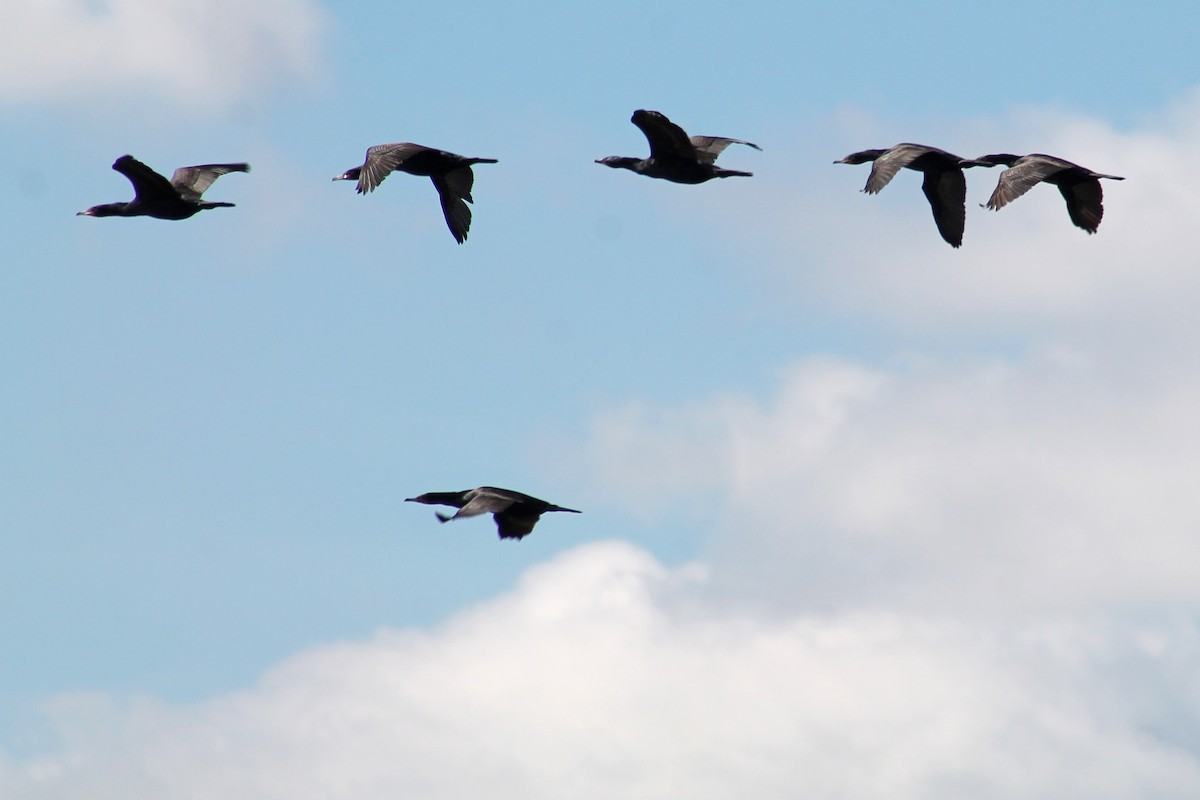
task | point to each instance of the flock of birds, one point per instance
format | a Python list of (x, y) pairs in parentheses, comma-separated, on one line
[(674, 156), (945, 186)]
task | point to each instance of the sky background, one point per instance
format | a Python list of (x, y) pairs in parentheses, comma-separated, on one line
[(864, 516)]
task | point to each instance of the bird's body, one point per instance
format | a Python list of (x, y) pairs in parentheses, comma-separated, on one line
[(1079, 186), (515, 513), (944, 185), (155, 196), (451, 175), (674, 156)]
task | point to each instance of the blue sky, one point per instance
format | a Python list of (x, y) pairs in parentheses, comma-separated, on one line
[(839, 481)]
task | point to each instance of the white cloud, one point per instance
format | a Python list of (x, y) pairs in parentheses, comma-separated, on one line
[(604, 674), (1053, 481), (196, 52)]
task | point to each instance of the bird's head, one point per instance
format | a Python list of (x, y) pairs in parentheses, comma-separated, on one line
[(618, 162), (1007, 159), (438, 498), (106, 210), (861, 157), (349, 175)]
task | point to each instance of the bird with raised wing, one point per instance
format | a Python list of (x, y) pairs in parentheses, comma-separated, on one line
[(155, 196), (451, 175), (674, 156), (515, 513), (944, 185), (1079, 186)]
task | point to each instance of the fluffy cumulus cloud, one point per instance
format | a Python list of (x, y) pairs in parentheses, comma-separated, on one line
[(1052, 481), (196, 51), (605, 674)]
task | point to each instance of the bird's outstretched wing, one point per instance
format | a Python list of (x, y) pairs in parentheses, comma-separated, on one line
[(1085, 203), (515, 523), (148, 185), (1023, 176), (884, 168), (667, 140), (192, 182), (454, 188), (381, 160), (946, 191), (709, 147)]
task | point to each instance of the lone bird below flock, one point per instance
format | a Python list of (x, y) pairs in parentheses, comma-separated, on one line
[(944, 184), (673, 155), (1079, 186), (451, 175), (515, 513), (155, 196)]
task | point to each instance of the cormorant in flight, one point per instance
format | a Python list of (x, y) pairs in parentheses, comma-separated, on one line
[(515, 513), (155, 196), (1079, 186), (673, 155), (944, 184), (451, 175)]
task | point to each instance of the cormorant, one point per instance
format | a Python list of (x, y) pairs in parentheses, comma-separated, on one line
[(1079, 186), (944, 184), (515, 513), (155, 196), (451, 175), (674, 156)]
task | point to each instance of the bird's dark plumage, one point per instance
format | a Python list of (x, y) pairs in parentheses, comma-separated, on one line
[(515, 513), (674, 156), (1079, 186), (155, 196), (944, 185), (451, 175)]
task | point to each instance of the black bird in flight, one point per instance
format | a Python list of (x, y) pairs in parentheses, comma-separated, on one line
[(155, 196), (1079, 186), (515, 513), (451, 175), (945, 186), (673, 155)]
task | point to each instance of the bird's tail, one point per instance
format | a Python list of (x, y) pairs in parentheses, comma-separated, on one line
[(560, 508), (732, 173), (207, 204), (482, 161)]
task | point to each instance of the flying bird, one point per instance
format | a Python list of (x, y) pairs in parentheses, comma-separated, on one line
[(944, 184), (515, 513), (155, 196), (451, 175), (673, 155), (1079, 186)]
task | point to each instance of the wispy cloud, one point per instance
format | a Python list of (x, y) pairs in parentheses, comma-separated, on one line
[(195, 52)]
